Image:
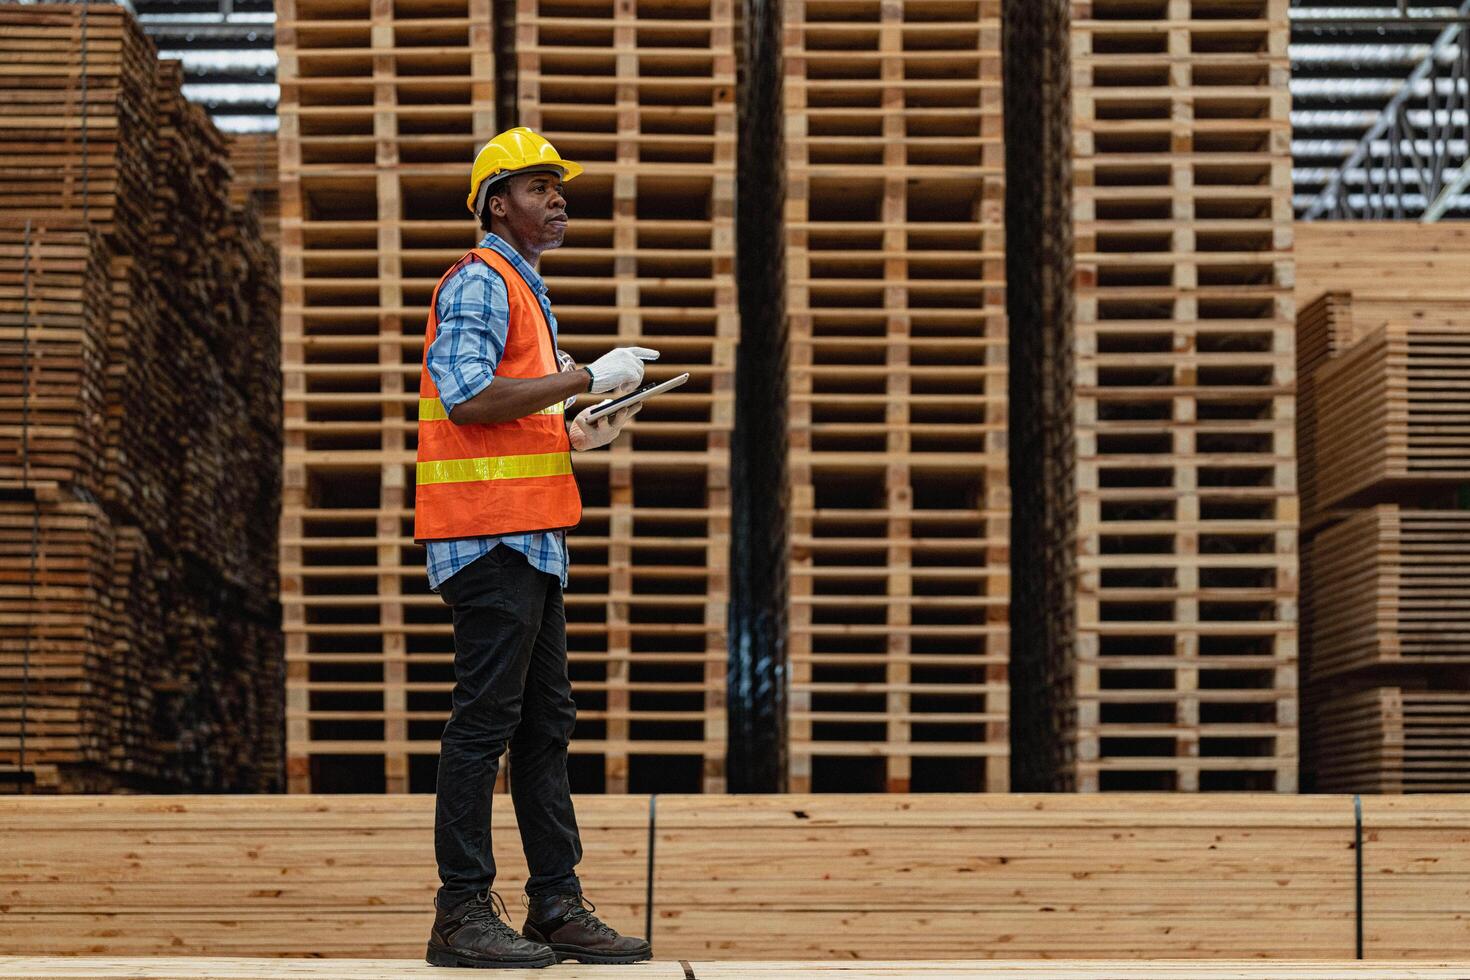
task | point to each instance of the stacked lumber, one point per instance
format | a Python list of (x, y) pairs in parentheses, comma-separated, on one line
[(1384, 451), (139, 425), (643, 95), (1178, 671), (836, 877), (1391, 739), (895, 269), (255, 160), (382, 109)]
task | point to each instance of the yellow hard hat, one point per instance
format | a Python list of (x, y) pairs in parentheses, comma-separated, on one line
[(515, 150)]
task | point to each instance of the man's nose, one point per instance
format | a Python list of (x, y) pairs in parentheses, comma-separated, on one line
[(557, 202)]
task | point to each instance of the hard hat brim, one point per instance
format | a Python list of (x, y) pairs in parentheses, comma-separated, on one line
[(566, 168)]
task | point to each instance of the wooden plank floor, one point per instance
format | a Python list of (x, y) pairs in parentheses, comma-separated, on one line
[(188, 968)]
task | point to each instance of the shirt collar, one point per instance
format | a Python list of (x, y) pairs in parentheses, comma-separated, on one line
[(532, 277)]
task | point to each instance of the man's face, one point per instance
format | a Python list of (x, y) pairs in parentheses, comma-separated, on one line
[(532, 207)]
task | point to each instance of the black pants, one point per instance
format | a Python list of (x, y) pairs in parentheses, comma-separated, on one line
[(510, 688)]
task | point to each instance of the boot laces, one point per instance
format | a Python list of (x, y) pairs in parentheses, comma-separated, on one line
[(489, 908), (581, 911)]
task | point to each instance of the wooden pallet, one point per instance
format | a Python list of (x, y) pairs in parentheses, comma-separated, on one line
[(895, 272), (372, 176), (644, 97), (1185, 639)]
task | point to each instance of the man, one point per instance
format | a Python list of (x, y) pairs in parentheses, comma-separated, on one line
[(495, 497)]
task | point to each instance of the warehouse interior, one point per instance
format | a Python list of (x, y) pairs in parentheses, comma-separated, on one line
[(1076, 444)]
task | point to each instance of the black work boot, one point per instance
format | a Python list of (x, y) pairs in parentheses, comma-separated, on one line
[(473, 933), (567, 925)]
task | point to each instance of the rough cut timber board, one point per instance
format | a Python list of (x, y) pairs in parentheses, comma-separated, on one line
[(900, 584), (1403, 257)]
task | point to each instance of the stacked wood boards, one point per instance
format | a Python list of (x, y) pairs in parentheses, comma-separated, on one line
[(1179, 670), (895, 248), (1383, 457), (1391, 413), (643, 95), (255, 160), (831, 877), (139, 426)]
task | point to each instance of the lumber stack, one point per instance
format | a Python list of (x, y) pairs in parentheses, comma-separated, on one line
[(643, 95), (1178, 670), (1384, 453), (895, 270), (255, 159), (829, 877), (139, 425)]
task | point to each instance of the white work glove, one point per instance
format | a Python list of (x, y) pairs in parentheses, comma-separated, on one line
[(591, 435), (620, 370)]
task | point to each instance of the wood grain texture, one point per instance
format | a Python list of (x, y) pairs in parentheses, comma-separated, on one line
[(181, 968), (268, 875), (1404, 257), (847, 877)]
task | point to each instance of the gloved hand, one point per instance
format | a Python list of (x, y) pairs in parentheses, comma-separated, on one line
[(590, 435), (620, 370)]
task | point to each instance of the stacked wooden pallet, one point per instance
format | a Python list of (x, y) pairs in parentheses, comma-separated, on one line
[(139, 424), (382, 111), (643, 95), (382, 108), (1384, 451), (1179, 672), (896, 296)]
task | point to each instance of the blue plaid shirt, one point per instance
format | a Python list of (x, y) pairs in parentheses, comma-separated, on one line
[(474, 319)]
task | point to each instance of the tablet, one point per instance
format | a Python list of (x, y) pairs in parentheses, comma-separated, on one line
[(614, 405)]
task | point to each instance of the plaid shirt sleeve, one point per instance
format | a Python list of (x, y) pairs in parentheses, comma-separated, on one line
[(474, 320)]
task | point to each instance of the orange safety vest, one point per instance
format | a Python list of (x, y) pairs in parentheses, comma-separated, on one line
[(497, 477)]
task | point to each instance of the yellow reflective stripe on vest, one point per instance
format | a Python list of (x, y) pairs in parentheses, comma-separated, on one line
[(432, 410), (494, 468)]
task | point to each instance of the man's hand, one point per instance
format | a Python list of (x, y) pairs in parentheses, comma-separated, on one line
[(587, 435), (620, 370)]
